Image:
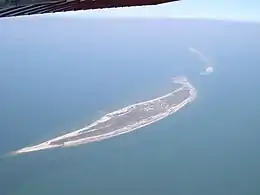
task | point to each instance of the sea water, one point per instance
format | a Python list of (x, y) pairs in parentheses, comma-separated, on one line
[(52, 83)]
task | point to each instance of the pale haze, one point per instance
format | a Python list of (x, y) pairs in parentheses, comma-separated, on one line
[(238, 10)]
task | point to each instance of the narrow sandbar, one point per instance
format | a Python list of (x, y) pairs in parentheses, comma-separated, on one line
[(124, 120)]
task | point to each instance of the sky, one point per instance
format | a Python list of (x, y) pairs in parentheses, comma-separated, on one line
[(238, 10)]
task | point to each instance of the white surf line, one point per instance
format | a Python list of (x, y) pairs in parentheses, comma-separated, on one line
[(135, 126), (46, 145), (159, 117), (126, 129), (201, 56), (209, 68)]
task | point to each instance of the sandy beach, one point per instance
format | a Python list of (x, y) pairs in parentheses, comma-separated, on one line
[(120, 112)]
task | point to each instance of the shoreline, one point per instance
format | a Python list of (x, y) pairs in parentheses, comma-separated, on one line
[(126, 129)]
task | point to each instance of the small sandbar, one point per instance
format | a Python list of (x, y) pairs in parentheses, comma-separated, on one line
[(208, 70)]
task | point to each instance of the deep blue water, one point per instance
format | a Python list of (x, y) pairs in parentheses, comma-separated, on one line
[(59, 79)]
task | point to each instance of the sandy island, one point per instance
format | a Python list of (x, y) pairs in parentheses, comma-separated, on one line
[(124, 120)]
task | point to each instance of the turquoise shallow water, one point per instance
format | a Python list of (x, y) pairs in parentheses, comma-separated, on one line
[(209, 147)]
